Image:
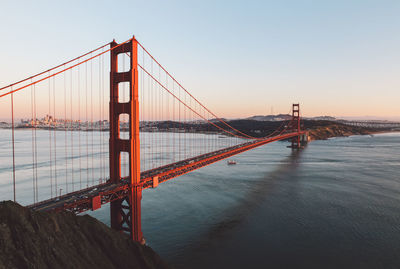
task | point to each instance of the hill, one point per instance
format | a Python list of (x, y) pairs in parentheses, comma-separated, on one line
[(30, 239)]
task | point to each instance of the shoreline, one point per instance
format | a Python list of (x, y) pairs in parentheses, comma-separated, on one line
[(326, 133), (315, 132)]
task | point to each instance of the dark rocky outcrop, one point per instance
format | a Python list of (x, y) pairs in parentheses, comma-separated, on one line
[(30, 239), (320, 130)]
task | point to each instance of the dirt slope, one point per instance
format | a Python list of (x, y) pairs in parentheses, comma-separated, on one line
[(44, 240)]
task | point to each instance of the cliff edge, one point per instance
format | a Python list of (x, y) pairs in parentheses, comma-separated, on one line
[(30, 239)]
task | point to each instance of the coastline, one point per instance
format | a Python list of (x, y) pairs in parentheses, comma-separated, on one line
[(324, 133), (318, 130)]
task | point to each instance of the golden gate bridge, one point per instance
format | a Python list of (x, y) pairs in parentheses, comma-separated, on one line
[(123, 94)]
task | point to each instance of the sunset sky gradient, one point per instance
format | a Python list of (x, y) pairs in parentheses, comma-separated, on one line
[(240, 58)]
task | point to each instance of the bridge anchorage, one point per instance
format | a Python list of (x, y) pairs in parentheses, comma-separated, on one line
[(168, 133)]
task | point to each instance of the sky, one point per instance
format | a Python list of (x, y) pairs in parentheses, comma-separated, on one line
[(240, 58)]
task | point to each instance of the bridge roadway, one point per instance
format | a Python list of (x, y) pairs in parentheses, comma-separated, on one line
[(93, 197)]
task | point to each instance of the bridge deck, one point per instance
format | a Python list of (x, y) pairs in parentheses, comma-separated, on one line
[(82, 200)]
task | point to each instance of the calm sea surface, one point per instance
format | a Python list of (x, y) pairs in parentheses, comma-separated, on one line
[(335, 204)]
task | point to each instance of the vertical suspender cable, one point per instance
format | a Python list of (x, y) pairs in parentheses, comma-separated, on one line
[(91, 114), (79, 126), (101, 101), (168, 118), (153, 113), (33, 147), (72, 137), (104, 116), (65, 133), (162, 117), (99, 148), (50, 119), (180, 123), (158, 118), (54, 136), (185, 134), (87, 126), (36, 158), (13, 142), (173, 125)]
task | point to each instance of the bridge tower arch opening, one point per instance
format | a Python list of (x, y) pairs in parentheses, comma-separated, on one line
[(125, 213)]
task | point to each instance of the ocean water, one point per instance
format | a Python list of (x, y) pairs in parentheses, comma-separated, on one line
[(59, 162), (334, 204)]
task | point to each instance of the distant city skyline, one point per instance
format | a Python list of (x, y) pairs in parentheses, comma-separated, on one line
[(240, 58), (362, 118)]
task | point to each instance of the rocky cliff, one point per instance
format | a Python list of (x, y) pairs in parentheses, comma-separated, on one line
[(31, 239)]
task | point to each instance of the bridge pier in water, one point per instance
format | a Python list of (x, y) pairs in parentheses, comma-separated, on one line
[(304, 138), (125, 212)]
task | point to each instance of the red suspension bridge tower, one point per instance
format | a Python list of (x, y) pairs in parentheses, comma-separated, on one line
[(296, 144), (125, 212)]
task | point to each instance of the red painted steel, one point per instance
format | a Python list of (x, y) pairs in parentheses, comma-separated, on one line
[(125, 211), (155, 182), (13, 143), (96, 202)]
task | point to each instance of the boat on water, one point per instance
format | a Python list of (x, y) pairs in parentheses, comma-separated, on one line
[(231, 162)]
